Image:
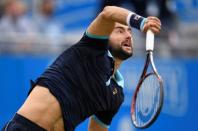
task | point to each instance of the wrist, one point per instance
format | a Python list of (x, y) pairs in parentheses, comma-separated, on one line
[(136, 21)]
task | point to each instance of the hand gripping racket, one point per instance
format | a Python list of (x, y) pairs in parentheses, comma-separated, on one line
[(148, 97)]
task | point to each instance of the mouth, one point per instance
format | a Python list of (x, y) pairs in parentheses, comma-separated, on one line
[(126, 45)]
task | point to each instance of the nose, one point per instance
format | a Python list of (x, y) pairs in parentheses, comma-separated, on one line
[(128, 35)]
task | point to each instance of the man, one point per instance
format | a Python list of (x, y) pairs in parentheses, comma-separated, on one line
[(14, 24), (50, 28), (13, 18), (84, 81)]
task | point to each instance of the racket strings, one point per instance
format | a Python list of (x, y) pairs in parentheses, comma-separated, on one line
[(147, 100)]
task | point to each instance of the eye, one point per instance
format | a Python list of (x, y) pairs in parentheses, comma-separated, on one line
[(120, 31)]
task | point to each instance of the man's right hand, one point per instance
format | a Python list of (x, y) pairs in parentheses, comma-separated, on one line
[(152, 23)]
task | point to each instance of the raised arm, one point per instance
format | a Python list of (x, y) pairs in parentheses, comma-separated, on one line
[(104, 23)]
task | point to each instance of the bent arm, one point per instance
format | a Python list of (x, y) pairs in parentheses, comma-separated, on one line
[(104, 23)]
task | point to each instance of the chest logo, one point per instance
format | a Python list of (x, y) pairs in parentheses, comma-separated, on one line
[(115, 91)]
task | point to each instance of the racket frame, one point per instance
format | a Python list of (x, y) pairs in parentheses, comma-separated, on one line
[(144, 75)]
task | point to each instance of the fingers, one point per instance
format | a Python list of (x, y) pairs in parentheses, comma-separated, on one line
[(154, 18), (156, 21), (152, 23)]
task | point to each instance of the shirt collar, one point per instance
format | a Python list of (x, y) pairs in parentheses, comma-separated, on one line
[(117, 76), (109, 54)]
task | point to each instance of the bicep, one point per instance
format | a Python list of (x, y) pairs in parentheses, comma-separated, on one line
[(95, 126)]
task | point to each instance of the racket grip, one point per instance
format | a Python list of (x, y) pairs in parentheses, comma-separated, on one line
[(149, 40)]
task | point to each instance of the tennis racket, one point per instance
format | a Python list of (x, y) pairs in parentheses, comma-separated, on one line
[(148, 97)]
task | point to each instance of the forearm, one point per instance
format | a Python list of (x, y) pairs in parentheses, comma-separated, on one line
[(105, 21), (123, 16), (115, 14)]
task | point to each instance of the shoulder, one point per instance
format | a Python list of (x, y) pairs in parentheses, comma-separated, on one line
[(94, 41)]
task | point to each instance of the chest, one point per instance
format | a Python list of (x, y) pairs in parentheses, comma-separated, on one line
[(115, 95)]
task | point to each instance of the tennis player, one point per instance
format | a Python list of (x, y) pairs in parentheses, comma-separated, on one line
[(84, 81)]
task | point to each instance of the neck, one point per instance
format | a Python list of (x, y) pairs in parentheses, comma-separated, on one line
[(117, 64)]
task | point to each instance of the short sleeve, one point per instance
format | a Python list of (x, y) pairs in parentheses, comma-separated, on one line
[(104, 118)]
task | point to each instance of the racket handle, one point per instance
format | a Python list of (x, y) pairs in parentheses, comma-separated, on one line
[(149, 40)]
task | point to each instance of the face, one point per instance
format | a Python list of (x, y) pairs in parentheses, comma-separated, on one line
[(16, 8), (120, 42), (48, 7)]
